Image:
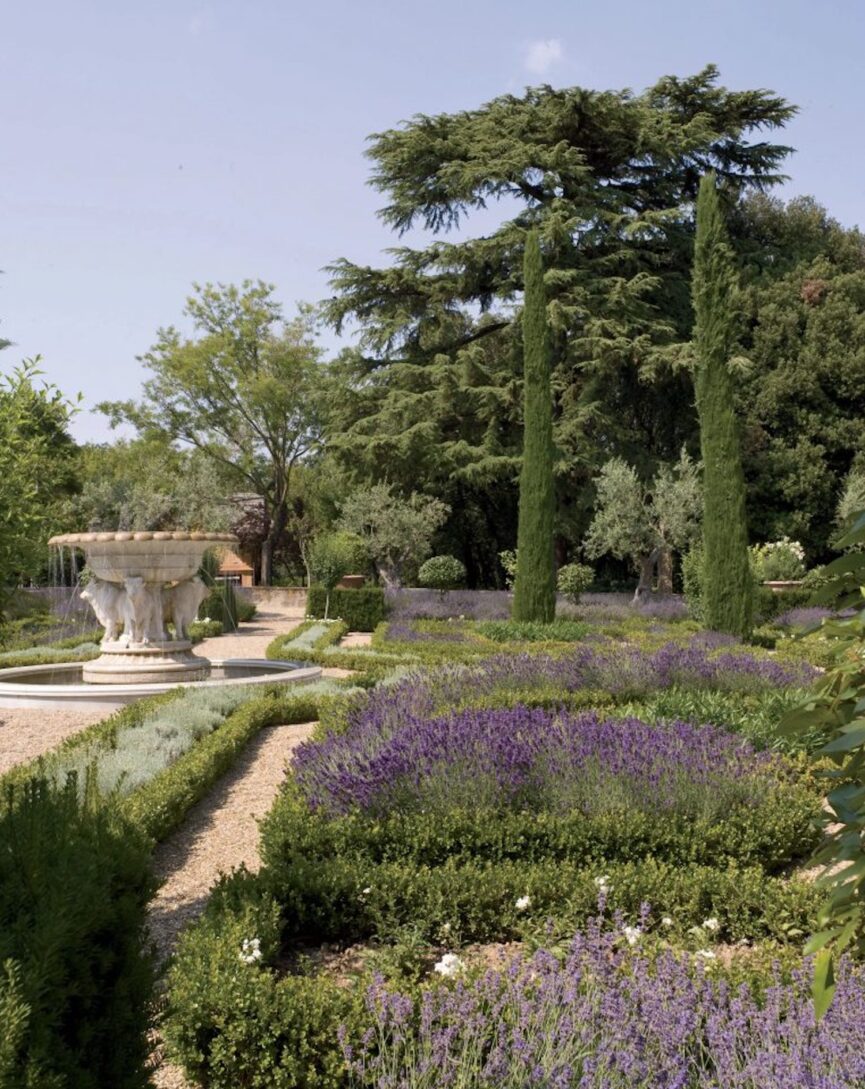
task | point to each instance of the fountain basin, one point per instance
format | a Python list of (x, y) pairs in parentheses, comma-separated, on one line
[(60, 686), (170, 556)]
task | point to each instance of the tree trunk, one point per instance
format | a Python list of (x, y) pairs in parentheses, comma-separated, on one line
[(665, 571), (274, 536), (266, 561), (647, 574), (390, 575)]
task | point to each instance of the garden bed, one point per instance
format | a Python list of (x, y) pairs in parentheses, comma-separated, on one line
[(498, 800)]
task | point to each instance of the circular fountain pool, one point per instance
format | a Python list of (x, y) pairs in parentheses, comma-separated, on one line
[(61, 684)]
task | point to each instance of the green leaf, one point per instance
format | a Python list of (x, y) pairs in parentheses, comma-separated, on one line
[(823, 984)]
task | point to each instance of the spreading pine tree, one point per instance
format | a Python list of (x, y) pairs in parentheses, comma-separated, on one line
[(727, 583), (535, 586)]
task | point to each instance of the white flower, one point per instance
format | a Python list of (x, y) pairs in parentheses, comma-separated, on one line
[(603, 882), (206, 620), (711, 924), (449, 965), (445, 928), (250, 950), (667, 921), (705, 955), (523, 903), (365, 892), (632, 934)]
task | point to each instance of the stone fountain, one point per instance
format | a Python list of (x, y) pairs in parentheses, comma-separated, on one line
[(142, 582)]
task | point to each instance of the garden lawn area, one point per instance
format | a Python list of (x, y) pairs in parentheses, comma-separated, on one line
[(565, 854)]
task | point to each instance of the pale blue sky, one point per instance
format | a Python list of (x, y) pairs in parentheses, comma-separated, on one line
[(145, 146)]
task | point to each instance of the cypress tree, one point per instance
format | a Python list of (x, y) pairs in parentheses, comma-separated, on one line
[(727, 582), (535, 586)]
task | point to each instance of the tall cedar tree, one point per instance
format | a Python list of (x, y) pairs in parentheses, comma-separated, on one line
[(535, 586), (727, 582), (431, 400)]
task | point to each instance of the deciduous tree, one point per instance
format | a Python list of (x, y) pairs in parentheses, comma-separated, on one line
[(245, 390)]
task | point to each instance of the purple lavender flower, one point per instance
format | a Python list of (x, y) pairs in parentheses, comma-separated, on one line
[(606, 1017), (522, 757)]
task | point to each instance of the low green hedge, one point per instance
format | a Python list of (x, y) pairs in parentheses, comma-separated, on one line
[(230, 1024), (360, 609), (339, 901), (161, 805), (75, 880), (418, 865), (101, 734), (777, 830), (51, 654), (236, 1017)]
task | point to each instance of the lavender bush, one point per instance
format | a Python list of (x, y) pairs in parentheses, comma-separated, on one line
[(624, 671), (529, 758), (430, 631), (410, 604), (608, 1017)]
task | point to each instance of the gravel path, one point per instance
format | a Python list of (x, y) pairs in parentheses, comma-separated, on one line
[(26, 733), (251, 640), (219, 833)]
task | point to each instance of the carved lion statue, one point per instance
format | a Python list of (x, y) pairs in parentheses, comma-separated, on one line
[(183, 601), (143, 610), (108, 602)]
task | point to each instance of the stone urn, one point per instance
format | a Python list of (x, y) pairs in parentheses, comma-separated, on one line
[(141, 582)]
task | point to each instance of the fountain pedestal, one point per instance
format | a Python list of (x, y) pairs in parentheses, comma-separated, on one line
[(170, 661), (141, 582)]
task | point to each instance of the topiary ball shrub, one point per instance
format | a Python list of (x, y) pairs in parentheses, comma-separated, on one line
[(442, 573), (573, 579)]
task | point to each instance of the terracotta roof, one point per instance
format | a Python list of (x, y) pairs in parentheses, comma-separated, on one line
[(231, 564)]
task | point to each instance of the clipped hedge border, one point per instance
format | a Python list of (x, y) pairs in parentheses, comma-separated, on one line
[(160, 805), (229, 1021), (783, 829), (361, 609), (102, 734), (54, 654)]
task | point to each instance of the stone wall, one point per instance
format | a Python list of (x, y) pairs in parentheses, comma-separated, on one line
[(283, 597)]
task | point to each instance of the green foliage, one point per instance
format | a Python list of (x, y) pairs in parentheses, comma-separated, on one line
[(834, 709), (432, 394), (36, 471), (49, 655), (223, 604), (781, 560), (247, 393), (232, 1022), (508, 560), (74, 885), (361, 609), (692, 580), (148, 484), (330, 559), (754, 715), (535, 583), (639, 523), (802, 403), (160, 805), (398, 532), (442, 573), (204, 629), (727, 581), (573, 579), (528, 631)]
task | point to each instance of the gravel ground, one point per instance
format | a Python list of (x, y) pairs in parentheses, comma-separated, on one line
[(219, 833), (26, 733), (252, 639)]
